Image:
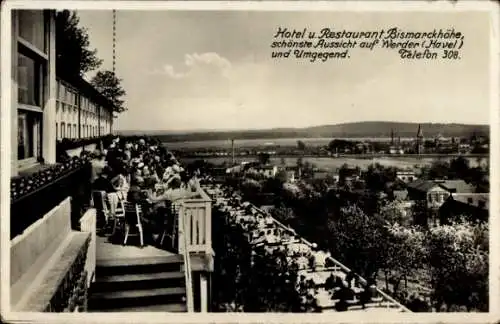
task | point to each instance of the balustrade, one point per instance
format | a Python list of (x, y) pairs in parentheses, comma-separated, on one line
[(88, 224), (196, 215), (35, 195)]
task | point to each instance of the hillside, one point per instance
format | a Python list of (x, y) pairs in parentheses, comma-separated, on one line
[(358, 129)]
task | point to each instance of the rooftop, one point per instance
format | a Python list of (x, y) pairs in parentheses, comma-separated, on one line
[(458, 186), (479, 200)]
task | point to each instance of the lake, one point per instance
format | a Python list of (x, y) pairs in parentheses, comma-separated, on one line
[(335, 163), (225, 144)]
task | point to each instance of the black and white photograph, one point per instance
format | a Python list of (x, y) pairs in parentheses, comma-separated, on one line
[(209, 158)]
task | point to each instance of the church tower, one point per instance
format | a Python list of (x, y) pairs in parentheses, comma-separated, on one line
[(420, 140)]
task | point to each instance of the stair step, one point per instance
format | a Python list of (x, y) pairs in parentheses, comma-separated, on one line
[(126, 294), (173, 308), (102, 301), (138, 266), (140, 277), (175, 258), (139, 281)]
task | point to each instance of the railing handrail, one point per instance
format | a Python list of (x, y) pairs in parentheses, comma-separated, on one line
[(187, 264), (203, 197), (48, 184)]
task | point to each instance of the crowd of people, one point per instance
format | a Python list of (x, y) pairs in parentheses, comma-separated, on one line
[(141, 173), (330, 285)]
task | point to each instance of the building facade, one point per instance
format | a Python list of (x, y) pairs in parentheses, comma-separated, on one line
[(44, 108), (81, 113), (33, 88)]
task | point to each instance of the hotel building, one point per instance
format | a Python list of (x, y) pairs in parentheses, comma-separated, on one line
[(47, 107)]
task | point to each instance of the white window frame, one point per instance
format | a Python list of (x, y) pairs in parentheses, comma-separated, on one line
[(42, 60)]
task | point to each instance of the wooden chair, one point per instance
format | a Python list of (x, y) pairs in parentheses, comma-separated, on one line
[(170, 227), (133, 213), (119, 216), (99, 202)]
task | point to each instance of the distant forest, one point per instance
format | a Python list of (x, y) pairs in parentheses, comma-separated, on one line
[(347, 130)]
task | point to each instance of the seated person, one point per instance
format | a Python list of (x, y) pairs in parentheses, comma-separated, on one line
[(135, 195), (103, 183), (120, 182), (98, 165), (173, 193), (150, 178)]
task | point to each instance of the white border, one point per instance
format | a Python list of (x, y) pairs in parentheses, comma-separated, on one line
[(375, 6)]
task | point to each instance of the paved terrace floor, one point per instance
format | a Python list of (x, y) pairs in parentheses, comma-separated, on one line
[(112, 251)]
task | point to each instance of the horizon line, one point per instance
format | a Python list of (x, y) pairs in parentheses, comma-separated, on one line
[(222, 130)]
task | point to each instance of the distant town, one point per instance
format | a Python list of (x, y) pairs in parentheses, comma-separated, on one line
[(473, 144)]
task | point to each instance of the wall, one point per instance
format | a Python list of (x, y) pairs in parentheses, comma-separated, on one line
[(44, 235), (88, 224), (49, 108)]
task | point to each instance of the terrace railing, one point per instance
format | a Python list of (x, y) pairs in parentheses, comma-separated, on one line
[(27, 208), (196, 216), (88, 224)]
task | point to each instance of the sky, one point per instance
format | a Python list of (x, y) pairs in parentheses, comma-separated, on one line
[(194, 70)]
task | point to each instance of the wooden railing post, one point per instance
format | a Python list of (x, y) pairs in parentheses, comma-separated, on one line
[(208, 226), (187, 259), (180, 228)]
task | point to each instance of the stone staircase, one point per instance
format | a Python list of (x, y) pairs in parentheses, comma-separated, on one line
[(148, 284)]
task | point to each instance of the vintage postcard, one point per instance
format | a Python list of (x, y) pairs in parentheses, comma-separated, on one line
[(249, 161)]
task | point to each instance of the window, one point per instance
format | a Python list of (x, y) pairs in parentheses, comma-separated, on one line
[(29, 85), (69, 131), (74, 131), (31, 62), (32, 28), (28, 135), (67, 95), (63, 130), (57, 130), (60, 93)]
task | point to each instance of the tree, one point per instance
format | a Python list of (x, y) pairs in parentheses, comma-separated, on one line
[(301, 145), (282, 176), (358, 240), (73, 56), (339, 145), (438, 170), (459, 168), (393, 213), (110, 87), (343, 173), (300, 162), (406, 253), (419, 213), (264, 158), (458, 255), (272, 284)]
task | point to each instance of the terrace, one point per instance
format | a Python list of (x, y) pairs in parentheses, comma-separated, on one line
[(54, 230), (265, 231)]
